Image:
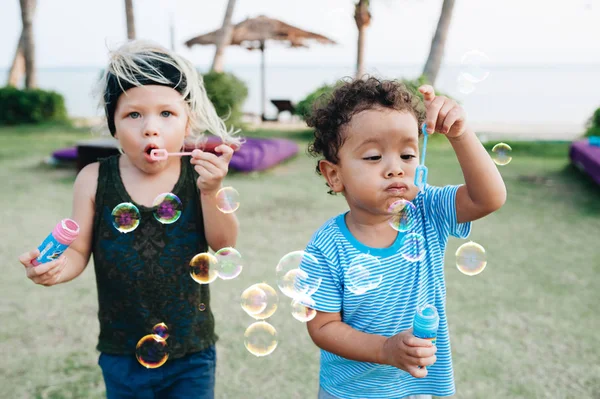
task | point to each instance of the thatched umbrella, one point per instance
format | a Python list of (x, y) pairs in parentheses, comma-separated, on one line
[(253, 33)]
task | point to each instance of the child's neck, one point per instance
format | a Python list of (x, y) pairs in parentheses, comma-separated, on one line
[(144, 187), (370, 230)]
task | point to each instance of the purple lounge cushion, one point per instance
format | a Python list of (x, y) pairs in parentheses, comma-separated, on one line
[(66, 154), (586, 157)]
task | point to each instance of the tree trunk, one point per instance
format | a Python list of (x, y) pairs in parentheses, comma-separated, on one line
[(224, 38), (130, 19), (27, 10), (362, 17), (17, 69), (436, 53)]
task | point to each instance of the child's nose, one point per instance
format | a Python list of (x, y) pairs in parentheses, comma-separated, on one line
[(150, 129), (395, 169)]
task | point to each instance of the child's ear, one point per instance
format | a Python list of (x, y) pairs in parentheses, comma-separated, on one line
[(331, 173)]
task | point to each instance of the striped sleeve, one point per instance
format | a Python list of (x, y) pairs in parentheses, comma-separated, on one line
[(441, 203), (328, 296)]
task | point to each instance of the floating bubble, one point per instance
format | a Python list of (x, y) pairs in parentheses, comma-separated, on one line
[(202, 307), (475, 66), (228, 200), (229, 263), (292, 279), (151, 351), (363, 274), (203, 268), (501, 154), (413, 247), (271, 302), (260, 338), (303, 309), (168, 208), (161, 330), (126, 217), (403, 215), (471, 258), (254, 300), (464, 85)]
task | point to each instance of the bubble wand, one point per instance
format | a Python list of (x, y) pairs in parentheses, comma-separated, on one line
[(421, 172), (161, 154)]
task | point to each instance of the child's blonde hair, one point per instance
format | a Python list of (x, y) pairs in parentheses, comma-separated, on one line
[(139, 63)]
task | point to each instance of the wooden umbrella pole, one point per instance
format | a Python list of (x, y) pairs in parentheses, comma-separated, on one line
[(262, 80)]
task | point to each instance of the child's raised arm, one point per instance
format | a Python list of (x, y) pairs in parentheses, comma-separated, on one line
[(221, 229), (75, 259), (484, 191)]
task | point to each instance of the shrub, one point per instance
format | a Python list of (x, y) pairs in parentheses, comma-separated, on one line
[(32, 106), (593, 125), (227, 93)]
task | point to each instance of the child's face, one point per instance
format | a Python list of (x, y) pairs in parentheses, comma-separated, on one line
[(149, 117), (377, 161)]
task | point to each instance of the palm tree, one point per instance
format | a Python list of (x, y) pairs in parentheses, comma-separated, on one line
[(436, 53), (27, 44), (362, 16), (224, 38), (130, 19)]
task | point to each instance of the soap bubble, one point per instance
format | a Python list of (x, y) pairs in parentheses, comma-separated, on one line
[(501, 154), (260, 301), (126, 217), (294, 281), (471, 258), (151, 351), (364, 274), (203, 268), (228, 200), (202, 307), (413, 247), (168, 208), (260, 338), (464, 85), (403, 215), (229, 264), (161, 330), (475, 66), (303, 309)]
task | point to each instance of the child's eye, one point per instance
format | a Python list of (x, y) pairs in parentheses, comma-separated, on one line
[(406, 157), (373, 158), (134, 115), (166, 114)]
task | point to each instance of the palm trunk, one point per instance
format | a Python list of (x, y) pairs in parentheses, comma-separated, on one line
[(27, 9), (362, 17), (224, 38), (130, 19), (436, 53), (17, 69)]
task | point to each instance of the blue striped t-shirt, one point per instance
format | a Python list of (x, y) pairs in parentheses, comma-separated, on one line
[(390, 307)]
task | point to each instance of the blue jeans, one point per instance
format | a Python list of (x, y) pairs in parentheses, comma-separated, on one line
[(192, 376)]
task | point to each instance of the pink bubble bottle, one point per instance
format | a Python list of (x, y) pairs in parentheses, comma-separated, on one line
[(64, 233)]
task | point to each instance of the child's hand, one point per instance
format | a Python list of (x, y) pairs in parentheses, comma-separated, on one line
[(409, 353), (443, 115), (46, 274), (211, 168)]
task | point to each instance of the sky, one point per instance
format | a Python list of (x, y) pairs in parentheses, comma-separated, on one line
[(75, 33)]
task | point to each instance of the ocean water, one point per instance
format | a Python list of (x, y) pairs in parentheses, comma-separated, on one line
[(536, 95)]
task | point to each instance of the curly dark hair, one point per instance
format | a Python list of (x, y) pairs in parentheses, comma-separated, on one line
[(332, 111)]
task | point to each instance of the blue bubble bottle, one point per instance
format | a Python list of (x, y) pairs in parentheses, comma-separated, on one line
[(426, 322)]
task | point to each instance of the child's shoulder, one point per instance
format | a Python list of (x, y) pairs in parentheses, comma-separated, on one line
[(327, 231), (87, 180)]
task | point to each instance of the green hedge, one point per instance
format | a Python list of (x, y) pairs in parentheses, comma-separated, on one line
[(31, 106), (227, 94), (593, 125), (305, 106)]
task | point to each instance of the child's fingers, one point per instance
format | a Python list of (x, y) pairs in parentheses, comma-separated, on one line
[(428, 92), (453, 116), (417, 372), (420, 351), (27, 257), (448, 106), (208, 170), (411, 340), (42, 269), (226, 151), (433, 110)]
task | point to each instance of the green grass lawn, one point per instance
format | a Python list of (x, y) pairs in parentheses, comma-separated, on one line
[(525, 328)]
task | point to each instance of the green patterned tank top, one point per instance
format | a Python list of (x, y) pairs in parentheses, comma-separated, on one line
[(143, 277)]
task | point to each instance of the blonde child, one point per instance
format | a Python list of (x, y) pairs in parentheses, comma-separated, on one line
[(153, 99), (367, 136)]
